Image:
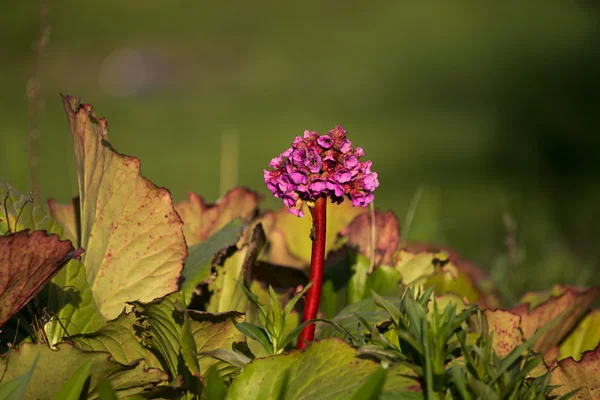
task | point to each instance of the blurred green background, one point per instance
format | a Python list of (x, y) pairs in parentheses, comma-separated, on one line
[(487, 113)]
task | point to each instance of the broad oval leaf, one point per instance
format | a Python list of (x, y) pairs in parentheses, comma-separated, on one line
[(325, 369), (54, 367), (133, 237)]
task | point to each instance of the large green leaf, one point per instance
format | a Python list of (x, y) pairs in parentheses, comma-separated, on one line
[(327, 369), (73, 389), (15, 388), (202, 220), (212, 332), (584, 337), (132, 235), (226, 293), (198, 265), (27, 263), (23, 212), (162, 320), (55, 367), (119, 338)]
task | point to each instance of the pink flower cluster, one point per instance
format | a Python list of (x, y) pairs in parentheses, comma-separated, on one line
[(321, 165)]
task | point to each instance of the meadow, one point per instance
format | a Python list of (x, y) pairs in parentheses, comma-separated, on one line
[(481, 120)]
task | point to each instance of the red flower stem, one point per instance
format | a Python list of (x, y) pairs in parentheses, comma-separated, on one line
[(317, 261)]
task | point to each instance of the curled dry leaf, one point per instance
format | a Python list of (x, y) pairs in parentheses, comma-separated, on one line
[(133, 237), (27, 263), (202, 219)]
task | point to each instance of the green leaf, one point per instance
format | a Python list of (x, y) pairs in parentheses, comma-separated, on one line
[(325, 369), (106, 392), (347, 319), (372, 387), (392, 310), (584, 337), (71, 304), (294, 333), (214, 388), (127, 224), (163, 321), (232, 357), (119, 338), (199, 262), (54, 367), (257, 333), (24, 213), (227, 294), (281, 385), (73, 388), (15, 388), (384, 280), (290, 305), (189, 354), (27, 262), (213, 332)]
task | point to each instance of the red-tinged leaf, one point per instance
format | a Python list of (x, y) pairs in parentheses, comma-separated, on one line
[(27, 262), (571, 304), (384, 230), (506, 328), (583, 375), (133, 237), (202, 219)]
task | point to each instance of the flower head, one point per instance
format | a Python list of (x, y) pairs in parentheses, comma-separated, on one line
[(321, 166)]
